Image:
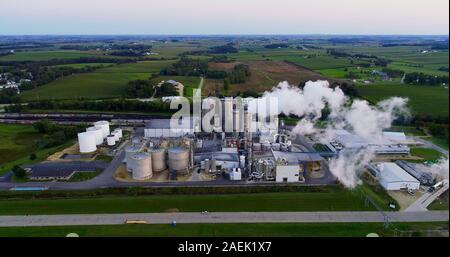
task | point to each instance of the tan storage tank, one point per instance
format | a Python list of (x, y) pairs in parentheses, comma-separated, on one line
[(179, 160), (158, 160), (129, 151), (141, 166)]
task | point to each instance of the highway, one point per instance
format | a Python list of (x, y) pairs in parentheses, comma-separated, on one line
[(221, 217)]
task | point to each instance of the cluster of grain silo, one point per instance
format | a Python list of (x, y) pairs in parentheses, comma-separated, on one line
[(162, 156)]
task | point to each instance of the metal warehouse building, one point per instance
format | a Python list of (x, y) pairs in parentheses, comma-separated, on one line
[(393, 177), (161, 128)]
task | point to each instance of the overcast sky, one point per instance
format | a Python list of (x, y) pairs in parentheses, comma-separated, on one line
[(224, 17)]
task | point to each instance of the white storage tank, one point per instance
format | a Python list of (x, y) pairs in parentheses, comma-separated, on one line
[(87, 142), (119, 132), (111, 140), (141, 166), (98, 134), (207, 165), (104, 125), (178, 159), (129, 151), (158, 160), (242, 161), (116, 136)]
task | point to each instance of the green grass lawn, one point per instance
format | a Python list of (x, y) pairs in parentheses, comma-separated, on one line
[(441, 142), (83, 176), (424, 100), (440, 204), (221, 230), (17, 143), (334, 200), (426, 154), (103, 83)]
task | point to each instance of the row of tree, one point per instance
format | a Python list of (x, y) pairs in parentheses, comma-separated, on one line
[(149, 88), (120, 105), (419, 78)]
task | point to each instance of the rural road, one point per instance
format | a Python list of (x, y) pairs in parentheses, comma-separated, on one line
[(427, 144), (221, 217)]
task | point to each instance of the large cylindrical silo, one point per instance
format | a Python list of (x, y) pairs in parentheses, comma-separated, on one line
[(104, 125), (141, 166), (179, 160), (158, 160), (129, 151), (98, 134), (86, 141)]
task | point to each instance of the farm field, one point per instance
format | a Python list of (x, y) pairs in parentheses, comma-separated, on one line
[(221, 230), (293, 201), (48, 55), (424, 100), (264, 75), (103, 83)]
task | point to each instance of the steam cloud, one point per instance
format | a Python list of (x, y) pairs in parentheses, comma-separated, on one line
[(359, 117), (441, 169)]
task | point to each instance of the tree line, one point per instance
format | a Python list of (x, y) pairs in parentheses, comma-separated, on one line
[(419, 78), (121, 105)]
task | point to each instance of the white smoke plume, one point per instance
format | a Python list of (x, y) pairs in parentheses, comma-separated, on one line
[(310, 101), (347, 165), (359, 117), (440, 170)]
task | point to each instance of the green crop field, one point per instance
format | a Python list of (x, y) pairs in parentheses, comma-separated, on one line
[(340, 200), (88, 85), (103, 83), (222, 230), (424, 100), (48, 55)]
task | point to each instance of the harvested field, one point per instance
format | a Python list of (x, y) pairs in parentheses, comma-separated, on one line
[(264, 75)]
